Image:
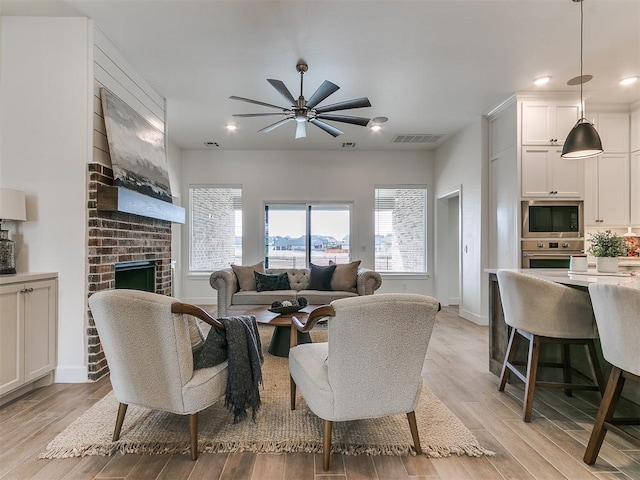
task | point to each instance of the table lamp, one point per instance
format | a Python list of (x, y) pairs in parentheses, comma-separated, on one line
[(12, 207)]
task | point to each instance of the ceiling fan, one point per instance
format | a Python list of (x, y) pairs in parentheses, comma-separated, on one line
[(302, 111)]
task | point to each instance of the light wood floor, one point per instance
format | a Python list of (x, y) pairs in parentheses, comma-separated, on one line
[(550, 447)]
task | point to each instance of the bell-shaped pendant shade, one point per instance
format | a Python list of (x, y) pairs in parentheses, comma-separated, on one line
[(583, 141)]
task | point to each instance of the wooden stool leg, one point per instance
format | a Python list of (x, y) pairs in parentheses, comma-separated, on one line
[(605, 414), (122, 411), (532, 373), (512, 347), (566, 368), (594, 365)]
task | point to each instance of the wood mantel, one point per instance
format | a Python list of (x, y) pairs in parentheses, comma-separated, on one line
[(118, 199)]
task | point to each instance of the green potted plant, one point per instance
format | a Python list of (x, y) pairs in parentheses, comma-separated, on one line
[(607, 246)]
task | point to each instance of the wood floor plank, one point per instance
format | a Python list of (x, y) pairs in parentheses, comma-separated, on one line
[(419, 465), (503, 461), (86, 467), (239, 466), (451, 469), (299, 465), (359, 467), (269, 466), (119, 466), (612, 455), (336, 464), (389, 468), (179, 467), (149, 467), (209, 465)]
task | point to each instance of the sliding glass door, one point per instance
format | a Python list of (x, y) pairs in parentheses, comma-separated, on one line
[(297, 234)]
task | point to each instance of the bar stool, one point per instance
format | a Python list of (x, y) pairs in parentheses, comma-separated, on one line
[(617, 310), (546, 312)]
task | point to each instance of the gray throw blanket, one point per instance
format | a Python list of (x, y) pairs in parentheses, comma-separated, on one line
[(239, 343)]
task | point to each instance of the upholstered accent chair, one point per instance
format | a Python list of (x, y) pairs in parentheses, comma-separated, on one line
[(546, 312), (147, 342), (371, 365), (617, 310)]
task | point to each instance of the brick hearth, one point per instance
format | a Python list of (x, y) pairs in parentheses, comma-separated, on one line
[(116, 237)]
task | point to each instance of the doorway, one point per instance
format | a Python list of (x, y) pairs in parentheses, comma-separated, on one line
[(448, 254)]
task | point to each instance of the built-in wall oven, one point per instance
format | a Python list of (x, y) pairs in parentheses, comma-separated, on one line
[(552, 231), (550, 253)]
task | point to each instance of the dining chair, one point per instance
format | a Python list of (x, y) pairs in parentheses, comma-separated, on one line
[(617, 310)]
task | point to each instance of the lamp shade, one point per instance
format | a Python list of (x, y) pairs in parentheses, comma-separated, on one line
[(583, 141), (12, 204)]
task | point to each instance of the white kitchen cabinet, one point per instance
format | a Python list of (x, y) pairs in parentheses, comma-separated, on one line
[(606, 196), (635, 130), (547, 122), (545, 174), (28, 303), (635, 189), (613, 129)]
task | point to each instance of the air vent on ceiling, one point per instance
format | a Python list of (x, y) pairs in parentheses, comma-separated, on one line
[(211, 144), (414, 138), (348, 144)]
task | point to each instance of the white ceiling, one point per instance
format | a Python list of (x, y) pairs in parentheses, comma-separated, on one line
[(430, 66)]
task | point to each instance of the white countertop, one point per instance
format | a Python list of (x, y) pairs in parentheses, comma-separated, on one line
[(26, 277), (560, 275)]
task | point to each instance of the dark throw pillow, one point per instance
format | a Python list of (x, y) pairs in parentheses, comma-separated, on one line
[(213, 351), (268, 282), (320, 278)]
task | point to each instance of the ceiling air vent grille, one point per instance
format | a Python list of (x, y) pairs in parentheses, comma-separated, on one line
[(416, 138), (211, 144), (348, 144)]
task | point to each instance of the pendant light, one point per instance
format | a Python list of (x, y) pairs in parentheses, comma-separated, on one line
[(583, 140)]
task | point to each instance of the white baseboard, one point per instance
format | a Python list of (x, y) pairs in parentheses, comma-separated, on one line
[(473, 317), (454, 301), (71, 375)]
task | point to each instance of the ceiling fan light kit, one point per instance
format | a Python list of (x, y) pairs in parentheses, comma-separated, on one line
[(583, 140), (304, 111)]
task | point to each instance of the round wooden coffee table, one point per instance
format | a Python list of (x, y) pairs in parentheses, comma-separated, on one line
[(281, 338)]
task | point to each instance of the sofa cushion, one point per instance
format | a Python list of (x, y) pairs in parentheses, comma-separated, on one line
[(267, 283), (345, 276), (322, 297), (320, 277), (244, 274), (262, 298)]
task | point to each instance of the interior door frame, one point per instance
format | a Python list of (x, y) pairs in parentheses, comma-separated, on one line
[(442, 244)]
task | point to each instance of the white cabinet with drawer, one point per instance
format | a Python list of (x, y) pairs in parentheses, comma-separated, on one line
[(606, 197), (28, 303)]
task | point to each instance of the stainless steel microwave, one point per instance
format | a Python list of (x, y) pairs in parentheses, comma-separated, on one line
[(552, 219)]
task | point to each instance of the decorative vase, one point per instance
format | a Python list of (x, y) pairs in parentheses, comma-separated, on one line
[(607, 264)]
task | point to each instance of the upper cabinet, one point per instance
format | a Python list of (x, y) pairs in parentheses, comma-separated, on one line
[(635, 130), (614, 131), (606, 197), (546, 175), (547, 122)]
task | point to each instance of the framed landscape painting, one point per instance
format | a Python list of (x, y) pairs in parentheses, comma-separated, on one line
[(138, 156)]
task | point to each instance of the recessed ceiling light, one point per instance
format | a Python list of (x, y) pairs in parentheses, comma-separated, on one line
[(231, 127), (375, 128), (628, 81), (541, 81)]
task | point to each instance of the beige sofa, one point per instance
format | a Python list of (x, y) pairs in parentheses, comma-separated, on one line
[(232, 301)]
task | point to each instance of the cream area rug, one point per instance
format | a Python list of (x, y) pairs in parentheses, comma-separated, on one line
[(277, 428)]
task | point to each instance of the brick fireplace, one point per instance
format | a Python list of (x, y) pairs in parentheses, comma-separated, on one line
[(120, 238)]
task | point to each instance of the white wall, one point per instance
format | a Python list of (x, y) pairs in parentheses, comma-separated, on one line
[(45, 107), (305, 176), (462, 161)]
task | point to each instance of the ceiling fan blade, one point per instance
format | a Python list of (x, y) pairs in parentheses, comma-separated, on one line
[(258, 114), (273, 126), (242, 99), (345, 118), (282, 90), (326, 127), (301, 130), (327, 88), (355, 103)]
